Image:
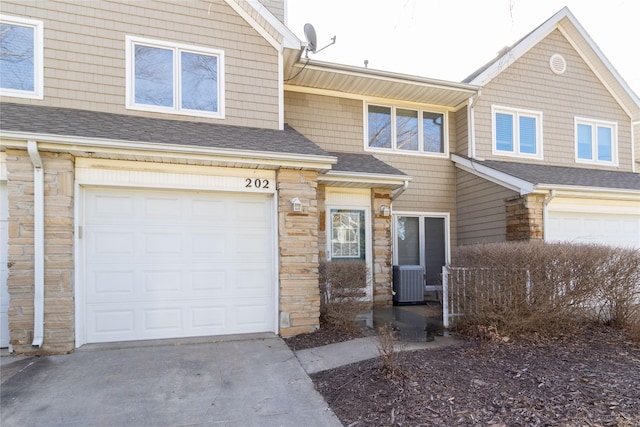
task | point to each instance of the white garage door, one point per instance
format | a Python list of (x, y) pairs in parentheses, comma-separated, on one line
[(4, 245), (612, 229), (166, 264)]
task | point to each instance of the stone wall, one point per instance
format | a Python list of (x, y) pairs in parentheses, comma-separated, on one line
[(298, 253), (382, 268), (525, 217), (58, 241)]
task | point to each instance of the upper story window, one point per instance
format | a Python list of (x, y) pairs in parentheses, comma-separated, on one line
[(517, 132), (596, 141), (21, 53), (174, 78), (405, 130)]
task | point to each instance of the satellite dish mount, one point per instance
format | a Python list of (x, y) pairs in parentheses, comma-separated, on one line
[(312, 40)]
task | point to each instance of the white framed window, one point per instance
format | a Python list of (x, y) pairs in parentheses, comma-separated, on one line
[(348, 234), (405, 130), (174, 78), (516, 132), (596, 141), (21, 57)]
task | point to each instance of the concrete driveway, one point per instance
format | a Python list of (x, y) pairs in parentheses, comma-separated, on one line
[(238, 381)]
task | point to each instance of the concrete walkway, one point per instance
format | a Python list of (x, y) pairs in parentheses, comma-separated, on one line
[(232, 382), (335, 355)]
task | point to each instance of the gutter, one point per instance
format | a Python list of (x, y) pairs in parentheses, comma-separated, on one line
[(38, 244)]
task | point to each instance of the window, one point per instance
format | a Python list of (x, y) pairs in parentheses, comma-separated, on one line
[(422, 240), (517, 132), (169, 77), (596, 141), (405, 130), (21, 53), (347, 234)]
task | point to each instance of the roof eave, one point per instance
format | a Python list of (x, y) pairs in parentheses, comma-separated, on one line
[(98, 145)]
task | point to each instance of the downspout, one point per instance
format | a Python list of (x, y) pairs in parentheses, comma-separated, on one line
[(396, 193), (38, 244), (472, 125), (545, 203)]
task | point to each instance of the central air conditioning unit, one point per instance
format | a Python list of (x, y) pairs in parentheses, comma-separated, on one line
[(408, 284)]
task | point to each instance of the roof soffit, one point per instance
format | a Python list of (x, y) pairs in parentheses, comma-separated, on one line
[(367, 83)]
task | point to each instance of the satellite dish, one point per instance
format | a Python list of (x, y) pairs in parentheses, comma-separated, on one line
[(312, 40)]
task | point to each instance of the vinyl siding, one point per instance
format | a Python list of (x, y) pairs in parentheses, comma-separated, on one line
[(337, 124), (481, 210), (530, 84), (276, 7), (460, 123), (84, 53)]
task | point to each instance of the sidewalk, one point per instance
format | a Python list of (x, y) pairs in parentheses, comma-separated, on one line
[(344, 353)]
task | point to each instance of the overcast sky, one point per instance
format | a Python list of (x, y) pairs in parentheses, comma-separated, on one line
[(449, 39)]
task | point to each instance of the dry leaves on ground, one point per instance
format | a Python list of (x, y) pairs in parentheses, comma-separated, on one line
[(587, 379)]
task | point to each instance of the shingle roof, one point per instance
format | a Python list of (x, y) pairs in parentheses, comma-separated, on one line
[(560, 175), (363, 163), (92, 124)]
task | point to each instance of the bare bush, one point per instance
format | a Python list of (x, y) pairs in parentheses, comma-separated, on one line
[(387, 341), (342, 290), (549, 289)]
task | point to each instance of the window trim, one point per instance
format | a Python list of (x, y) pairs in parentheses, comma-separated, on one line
[(595, 123), (131, 41), (38, 58), (516, 113), (394, 149)]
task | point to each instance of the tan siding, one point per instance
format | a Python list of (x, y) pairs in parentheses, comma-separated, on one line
[(276, 7), (530, 84), (336, 124), (85, 53), (481, 210), (460, 123)]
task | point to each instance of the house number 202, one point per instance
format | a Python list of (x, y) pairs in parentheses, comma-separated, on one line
[(256, 183)]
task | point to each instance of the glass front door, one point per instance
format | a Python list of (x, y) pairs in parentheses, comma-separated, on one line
[(422, 240)]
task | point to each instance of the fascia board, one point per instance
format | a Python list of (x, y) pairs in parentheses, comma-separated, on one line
[(590, 192), (500, 178), (513, 54), (18, 140), (289, 39)]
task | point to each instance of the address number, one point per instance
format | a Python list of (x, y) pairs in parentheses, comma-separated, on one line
[(256, 183)]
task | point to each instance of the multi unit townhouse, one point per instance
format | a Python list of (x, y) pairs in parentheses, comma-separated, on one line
[(178, 169)]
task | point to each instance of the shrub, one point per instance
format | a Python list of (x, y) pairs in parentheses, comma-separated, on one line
[(550, 289), (342, 291)]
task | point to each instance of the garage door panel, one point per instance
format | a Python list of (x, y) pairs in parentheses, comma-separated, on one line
[(580, 227), (202, 266)]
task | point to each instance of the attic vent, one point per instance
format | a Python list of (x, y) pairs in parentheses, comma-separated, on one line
[(557, 63)]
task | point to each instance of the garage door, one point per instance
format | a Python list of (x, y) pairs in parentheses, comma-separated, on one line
[(167, 264), (613, 229)]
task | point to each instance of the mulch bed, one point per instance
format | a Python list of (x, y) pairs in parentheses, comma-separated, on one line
[(591, 378), (323, 336)]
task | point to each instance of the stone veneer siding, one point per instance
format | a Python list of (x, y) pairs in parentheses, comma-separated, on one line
[(525, 217), (298, 252), (58, 242), (382, 269)]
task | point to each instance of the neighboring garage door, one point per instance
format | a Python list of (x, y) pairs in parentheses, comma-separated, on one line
[(167, 264), (606, 228)]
